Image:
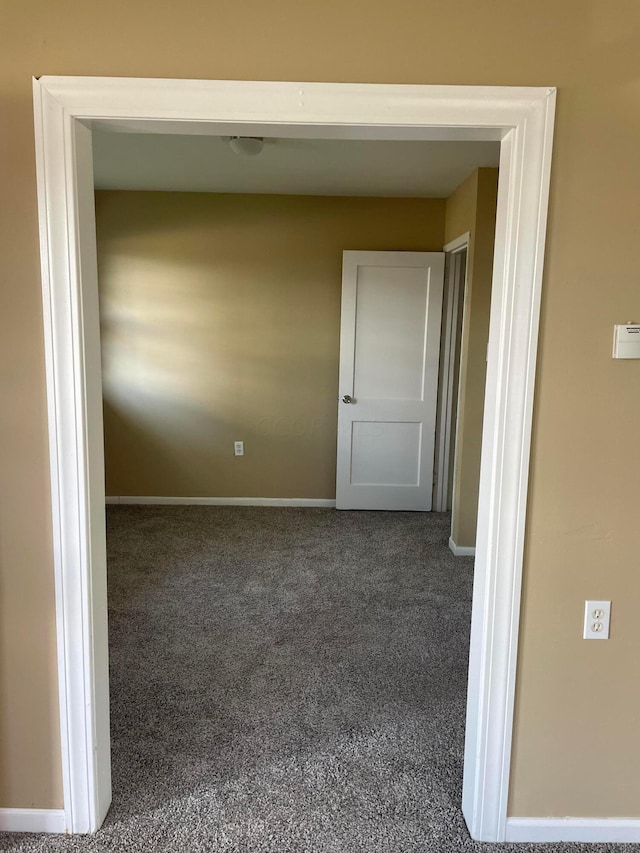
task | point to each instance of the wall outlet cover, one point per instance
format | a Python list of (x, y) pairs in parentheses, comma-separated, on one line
[(597, 616)]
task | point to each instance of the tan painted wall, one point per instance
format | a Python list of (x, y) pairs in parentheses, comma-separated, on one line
[(472, 208), (582, 536), (221, 321)]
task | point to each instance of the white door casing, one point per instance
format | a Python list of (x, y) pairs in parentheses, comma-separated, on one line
[(450, 362), (521, 118), (389, 354)]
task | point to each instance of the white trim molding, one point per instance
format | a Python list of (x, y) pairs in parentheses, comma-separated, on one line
[(458, 243), (179, 501), (32, 820), (454, 299), (590, 830), (67, 109), (461, 550)]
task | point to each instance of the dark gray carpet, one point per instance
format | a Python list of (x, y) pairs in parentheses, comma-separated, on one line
[(285, 680)]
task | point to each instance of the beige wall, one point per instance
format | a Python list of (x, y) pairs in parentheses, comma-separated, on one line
[(221, 321), (582, 536), (472, 208)]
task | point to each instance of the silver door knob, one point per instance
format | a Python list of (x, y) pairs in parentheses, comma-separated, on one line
[(347, 399)]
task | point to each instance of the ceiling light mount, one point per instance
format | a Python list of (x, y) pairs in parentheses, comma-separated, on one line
[(247, 146)]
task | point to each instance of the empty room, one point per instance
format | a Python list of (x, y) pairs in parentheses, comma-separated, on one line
[(267, 648)]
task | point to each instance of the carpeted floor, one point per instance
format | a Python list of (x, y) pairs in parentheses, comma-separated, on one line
[(285, 680)]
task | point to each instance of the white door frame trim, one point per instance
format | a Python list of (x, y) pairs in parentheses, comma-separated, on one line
[(448, 344), (66, 108), (457, 245)]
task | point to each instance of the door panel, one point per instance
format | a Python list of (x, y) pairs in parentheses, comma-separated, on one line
[(389, 352), (385, 454), (389, 333)]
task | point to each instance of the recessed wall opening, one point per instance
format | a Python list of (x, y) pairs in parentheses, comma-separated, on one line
[(251, 625), (67, 112)]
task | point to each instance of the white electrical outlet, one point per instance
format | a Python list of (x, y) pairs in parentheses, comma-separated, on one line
[(238, 448), (597, 615)]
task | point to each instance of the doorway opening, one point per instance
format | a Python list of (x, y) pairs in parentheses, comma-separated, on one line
[(66, 111), (449, 373), (204, 293)]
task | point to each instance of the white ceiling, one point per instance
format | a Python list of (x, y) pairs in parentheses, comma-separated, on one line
[(133, 161)]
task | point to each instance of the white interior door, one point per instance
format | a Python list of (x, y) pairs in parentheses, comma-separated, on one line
[(389, 354)]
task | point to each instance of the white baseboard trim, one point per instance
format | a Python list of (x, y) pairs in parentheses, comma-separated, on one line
[(32, 820), (461, 550), (309, 502), (585, 829)]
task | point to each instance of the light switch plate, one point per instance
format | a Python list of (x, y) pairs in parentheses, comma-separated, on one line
[(597, 616), (626, 341)]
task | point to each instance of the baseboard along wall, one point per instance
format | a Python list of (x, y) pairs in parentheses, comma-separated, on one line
[(519, 829), (32, 820), (580, 829), (461, 550), (308, 502)]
